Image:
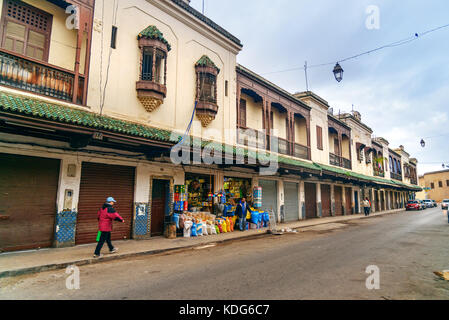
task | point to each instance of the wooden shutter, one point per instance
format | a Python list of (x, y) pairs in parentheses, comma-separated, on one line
[(242, 113), (319, 135), (26, 29)]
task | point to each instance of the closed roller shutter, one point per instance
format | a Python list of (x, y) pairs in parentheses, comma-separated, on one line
[(291, 205), (326, 200), (310, 195), (99, 181), (269, 195), (28, 188), (338, 194)]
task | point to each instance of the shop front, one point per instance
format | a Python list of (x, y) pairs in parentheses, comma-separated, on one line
[(237, 188), (200, 191)]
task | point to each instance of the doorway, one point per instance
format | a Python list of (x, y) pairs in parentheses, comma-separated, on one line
[(159, 206)]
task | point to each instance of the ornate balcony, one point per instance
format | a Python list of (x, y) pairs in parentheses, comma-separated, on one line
[(301, 151), (396, 176), (339, 161), (28, 74)]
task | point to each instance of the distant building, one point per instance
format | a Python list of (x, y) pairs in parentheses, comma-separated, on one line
[(436, 186)]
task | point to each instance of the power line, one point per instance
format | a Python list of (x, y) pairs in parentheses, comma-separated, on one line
[(404, 41)]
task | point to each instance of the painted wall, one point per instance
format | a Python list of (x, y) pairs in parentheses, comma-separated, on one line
[(438, 193), (254, 113), (189, 41), (301, 131)]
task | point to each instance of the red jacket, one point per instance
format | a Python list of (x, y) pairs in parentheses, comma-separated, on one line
[(105, 217)]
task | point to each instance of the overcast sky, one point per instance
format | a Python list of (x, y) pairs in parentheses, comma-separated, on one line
[(401, 92)]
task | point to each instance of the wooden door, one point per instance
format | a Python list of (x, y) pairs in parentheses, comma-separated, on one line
[(326, 200), (158, 206)]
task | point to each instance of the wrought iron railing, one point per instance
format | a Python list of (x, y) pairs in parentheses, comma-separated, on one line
[(339, 161), (30, 75), (301, 151), (396, 176), (283, 146), (251, 138)]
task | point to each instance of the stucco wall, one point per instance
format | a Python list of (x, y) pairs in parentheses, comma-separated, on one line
[(188, 44)]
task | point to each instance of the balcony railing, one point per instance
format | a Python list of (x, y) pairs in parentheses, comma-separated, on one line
[(339, 161), (379, 173), (301, 151), (396, 176), (31, 75), (251, 138), (283, 146)]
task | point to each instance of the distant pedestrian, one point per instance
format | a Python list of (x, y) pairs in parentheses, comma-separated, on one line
[(106, 215), (366, 206), (241, 212)]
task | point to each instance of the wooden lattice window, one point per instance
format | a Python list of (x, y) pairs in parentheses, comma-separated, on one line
[(242, 113), (25, 30)]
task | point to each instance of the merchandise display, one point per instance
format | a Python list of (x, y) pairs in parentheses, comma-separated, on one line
[(199, 223)]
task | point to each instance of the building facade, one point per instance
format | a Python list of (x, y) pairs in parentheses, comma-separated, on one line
[(435, 186), (94, 98)]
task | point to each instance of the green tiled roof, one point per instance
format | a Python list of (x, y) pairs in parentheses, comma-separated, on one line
[(39, 109), (352, 174), (152, 32), (205, 61)]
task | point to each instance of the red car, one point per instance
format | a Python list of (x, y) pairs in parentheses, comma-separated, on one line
[(413, 205)]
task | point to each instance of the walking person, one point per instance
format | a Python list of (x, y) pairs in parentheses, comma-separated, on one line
[(366, 206), (106, 215), (241, 212)]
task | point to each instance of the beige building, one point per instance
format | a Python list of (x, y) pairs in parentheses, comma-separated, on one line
[(435, 185), (94, 98)]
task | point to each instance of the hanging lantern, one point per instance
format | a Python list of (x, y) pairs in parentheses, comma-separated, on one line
[(423, 143), (338, 72)]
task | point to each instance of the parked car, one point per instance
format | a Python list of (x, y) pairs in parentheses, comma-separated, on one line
[(428, 203), (423, 205), (413, 205), (445, 204), (435, 204)]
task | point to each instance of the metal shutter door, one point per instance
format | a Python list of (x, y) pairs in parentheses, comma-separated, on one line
[(99, 181), (338, 194), (310, 194), (28, 188), (326, 200), (269, 195), (291, 207)]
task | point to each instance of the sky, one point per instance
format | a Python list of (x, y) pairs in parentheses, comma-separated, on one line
[(402, 92)]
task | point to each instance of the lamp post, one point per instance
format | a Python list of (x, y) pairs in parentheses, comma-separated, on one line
[(338, 72)]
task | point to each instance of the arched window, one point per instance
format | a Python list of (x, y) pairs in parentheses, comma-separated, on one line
[(391, 164)]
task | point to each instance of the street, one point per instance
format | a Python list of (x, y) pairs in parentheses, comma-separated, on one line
[(321, 262)]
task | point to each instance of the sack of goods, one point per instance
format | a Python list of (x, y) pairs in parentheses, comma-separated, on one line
[(194, 230), (205, 231), (187, 228), (199, 229)]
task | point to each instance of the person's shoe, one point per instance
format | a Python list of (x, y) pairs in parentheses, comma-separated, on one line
[(113, 250), (96, 256)]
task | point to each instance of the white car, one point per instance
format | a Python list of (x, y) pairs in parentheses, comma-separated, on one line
[(445, 204), (428, 203)]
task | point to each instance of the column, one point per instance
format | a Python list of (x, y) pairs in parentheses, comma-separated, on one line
[(354, 209), (67, 202), (343, 200), (281, 201), (379, 201), (302, 200), (373, 199), (318, 201), (332, 200)]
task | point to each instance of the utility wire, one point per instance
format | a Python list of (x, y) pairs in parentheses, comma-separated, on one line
[(404, 41)]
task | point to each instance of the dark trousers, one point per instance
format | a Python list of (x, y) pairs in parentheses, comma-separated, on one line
[(367, 209), (242, 223), (105, 237)]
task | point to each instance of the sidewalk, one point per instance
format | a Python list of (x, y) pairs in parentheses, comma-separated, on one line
[(26, 262)]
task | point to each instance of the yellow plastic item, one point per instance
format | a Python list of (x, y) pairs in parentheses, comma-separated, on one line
[(224, 226), (228, 225), (248, 215)]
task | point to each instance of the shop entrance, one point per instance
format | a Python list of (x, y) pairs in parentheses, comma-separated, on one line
[(310, 195), (269, 195), (236, 189), (326, 200), (291, 201), (159, 206), (200, 188), (338, 194)]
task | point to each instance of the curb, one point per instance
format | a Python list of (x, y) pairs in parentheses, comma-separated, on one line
[(63, 265)]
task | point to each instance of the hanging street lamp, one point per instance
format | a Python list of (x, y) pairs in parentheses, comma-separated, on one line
[(338, 72), (423, 143)]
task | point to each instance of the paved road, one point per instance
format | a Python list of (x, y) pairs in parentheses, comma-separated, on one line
[(322, 262)]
